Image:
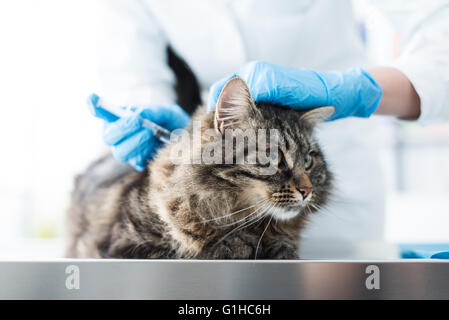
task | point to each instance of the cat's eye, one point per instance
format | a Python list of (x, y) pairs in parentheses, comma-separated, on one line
[(308, 161)]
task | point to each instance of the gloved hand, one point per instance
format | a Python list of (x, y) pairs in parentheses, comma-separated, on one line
[(352, 92), (131, 142)]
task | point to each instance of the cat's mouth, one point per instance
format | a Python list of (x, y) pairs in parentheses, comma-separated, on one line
[(288, 208), (286, 212), (282, 204)]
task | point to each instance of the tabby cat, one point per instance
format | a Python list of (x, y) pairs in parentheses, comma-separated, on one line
[(206, 211)]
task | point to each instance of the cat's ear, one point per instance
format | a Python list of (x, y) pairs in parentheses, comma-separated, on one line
[(317, 115), (235, 106)]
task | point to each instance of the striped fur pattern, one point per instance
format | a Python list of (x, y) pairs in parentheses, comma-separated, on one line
[(214, 211)]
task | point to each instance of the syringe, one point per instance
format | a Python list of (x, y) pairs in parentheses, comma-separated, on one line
[(97, 103)]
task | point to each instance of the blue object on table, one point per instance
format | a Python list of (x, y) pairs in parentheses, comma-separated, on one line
[(424, 250), (441, 255)]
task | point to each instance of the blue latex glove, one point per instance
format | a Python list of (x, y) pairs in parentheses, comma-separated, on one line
[(352, 92), (131, 142)]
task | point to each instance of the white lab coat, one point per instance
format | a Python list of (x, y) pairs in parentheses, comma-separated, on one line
[(217, 37)]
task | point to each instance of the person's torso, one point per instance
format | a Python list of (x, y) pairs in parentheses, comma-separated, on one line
[(216, 38)]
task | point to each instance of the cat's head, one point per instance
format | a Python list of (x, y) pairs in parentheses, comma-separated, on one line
[(300, 181)]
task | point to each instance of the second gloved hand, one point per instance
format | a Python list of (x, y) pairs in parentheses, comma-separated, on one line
[(352, 92), (130, 141)]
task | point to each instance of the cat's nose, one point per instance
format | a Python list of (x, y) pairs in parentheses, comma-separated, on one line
[(304, 191), (303, 185)]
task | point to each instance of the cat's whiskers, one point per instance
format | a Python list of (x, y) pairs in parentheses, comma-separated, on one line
[(330, 212), (261, 215), (264, 208), (309, 208), (230, 214), (260, 239), (273, 205), (244, 218)]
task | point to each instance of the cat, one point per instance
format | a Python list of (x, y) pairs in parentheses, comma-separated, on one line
[(207, 211)]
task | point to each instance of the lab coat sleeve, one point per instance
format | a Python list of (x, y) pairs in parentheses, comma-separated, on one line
[(132, 56), (423, 27)]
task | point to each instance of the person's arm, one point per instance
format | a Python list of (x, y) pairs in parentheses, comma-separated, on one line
[(415, 86), (132, 55), (399, 97), (134, 72), (422, 68)]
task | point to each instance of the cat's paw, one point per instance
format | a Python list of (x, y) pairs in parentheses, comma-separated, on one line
[(281, 252)]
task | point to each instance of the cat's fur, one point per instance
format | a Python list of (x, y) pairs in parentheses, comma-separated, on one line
[(198, 210)]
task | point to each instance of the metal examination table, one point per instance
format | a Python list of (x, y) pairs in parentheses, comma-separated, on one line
[(175, 279)]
